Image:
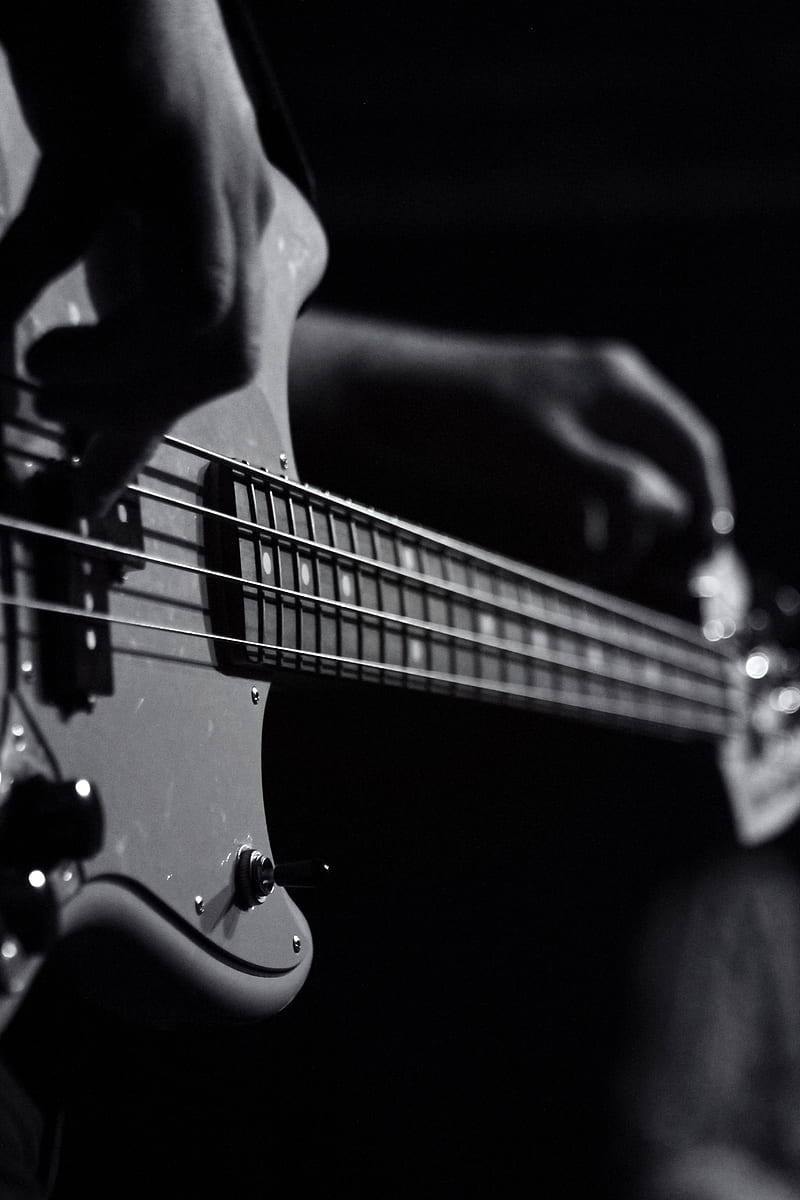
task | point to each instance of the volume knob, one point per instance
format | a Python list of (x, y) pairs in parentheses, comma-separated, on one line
[(45, 821)]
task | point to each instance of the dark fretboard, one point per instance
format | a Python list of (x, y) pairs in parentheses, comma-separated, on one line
[(334, 588)]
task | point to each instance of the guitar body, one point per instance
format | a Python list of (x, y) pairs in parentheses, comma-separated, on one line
[(175, 749), (137, 653)]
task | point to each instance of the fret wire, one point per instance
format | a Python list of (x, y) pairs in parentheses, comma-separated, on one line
[(336, 583), (356, 590), (700, 648), (502, 656), (469, 575), (376, 553), (449, 606), (315, 574), (425, 598), (295, 557), (613, 605), (278, 569), (426, 640), (257, 552), (280, 592), (405, 645), (721, 726)]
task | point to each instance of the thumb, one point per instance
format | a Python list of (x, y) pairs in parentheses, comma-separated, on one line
[(50, 234), (108, 463)]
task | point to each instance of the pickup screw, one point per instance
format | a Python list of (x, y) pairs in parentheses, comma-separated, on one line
[(255, 695), (199, 905), (27, 670)]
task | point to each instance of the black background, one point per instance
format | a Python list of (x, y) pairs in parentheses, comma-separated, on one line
[(625, 170), (632, 173)]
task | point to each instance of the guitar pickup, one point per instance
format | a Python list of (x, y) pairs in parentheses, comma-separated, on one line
[(75, 642), (222, 543)]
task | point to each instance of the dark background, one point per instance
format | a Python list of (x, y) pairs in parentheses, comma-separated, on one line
[(626, 170), (632, 173)]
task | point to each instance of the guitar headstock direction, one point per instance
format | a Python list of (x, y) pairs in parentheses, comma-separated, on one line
[(760, 759)]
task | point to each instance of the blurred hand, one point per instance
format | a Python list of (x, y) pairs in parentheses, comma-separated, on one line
[(638, 457), (580, 453), (144, 124)]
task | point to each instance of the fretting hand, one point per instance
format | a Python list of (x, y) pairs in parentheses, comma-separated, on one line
[(585, 438)]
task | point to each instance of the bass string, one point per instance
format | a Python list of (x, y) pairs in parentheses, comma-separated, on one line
[(674, 717), (614, 606), (483, 641), (619, 609), (681, 656)]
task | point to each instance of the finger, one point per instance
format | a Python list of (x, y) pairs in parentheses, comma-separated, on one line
[(192, 249), (125, 374), (627, 500), (651, 415), (125, 371), (127, 381), (50, 234), (159, 353), (623, 476), (109, 462)]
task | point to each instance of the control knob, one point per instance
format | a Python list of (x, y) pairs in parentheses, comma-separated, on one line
[(44, 822)]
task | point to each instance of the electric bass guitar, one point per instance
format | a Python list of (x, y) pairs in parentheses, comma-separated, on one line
[(137, 653)]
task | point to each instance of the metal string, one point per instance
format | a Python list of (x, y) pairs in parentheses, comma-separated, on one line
[(528, 613), (612, 605), (555, 658), (717, 723), (507, 608)]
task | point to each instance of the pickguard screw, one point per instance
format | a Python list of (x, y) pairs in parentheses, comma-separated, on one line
[(27, 670), (296, 944), (199, 905), (255, 695), (283, 459)]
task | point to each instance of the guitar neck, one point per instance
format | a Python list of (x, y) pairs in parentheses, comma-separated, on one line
[(339, 590)]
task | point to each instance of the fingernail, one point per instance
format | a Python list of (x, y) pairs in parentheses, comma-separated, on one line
[(722, 522), (668, 501)]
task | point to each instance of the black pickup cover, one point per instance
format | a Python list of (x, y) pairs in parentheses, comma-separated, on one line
[(76, 652)]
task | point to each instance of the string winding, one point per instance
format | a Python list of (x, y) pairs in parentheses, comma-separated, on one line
[(715, 723), (708, 664)]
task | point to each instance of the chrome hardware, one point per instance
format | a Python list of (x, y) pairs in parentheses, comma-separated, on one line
[(199, 905), (255, 876), (255, 695), (297, 944), (723, 522), (283, 460)]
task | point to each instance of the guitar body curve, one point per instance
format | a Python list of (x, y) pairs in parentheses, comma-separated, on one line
[(175, 748)]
